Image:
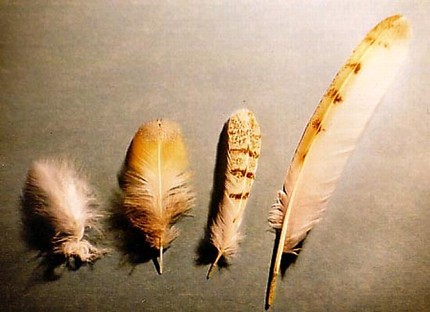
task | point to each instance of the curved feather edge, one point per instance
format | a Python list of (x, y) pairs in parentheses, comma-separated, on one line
[(332, 133)]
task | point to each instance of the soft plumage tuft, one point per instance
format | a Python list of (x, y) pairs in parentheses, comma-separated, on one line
[(58, 196)]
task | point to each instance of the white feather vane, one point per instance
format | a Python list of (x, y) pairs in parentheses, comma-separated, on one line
[(156, 183), (243, 151), (59, 196), (332, 134)]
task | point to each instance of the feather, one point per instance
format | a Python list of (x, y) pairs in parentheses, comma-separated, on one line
[(155, 183), (332, 133), (56, 194), (243, 150)]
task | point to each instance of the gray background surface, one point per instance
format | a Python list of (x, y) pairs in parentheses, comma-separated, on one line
[(78, 78)]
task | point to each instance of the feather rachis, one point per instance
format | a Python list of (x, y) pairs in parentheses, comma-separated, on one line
[(155, 183), (332, 133), (58, 194), (243, 150)]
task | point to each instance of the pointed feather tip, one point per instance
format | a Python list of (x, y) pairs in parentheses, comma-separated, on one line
[(242, 115), (164, 129), (398, 25), (242, 112)]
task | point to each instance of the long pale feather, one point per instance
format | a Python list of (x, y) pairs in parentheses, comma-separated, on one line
[(60, 196), (155, 182), (332, 133), (243, 150)]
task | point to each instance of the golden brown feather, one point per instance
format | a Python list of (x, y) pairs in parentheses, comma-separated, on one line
[(155, 183)]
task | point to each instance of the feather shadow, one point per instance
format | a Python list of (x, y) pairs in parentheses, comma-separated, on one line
[(37, 233), (126, 238), (206, 252), (286, 261)]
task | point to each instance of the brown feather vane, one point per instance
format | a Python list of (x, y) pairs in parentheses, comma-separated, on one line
[(155, 183)]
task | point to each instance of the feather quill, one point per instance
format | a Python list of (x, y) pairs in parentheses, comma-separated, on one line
[(58, 195), (243, 150), (155, 183), (332, 133)]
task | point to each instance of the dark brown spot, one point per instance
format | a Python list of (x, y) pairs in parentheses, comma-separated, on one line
[(253, 154), (250, 175), (355, 67), (320, 129), (334, 94), (239, 196), (316, 123), (245, 151), (304, 155), (238, 172), (240, 150), (338, 98), (369, 39)]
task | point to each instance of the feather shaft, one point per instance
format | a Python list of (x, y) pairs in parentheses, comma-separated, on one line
[(332, 133)]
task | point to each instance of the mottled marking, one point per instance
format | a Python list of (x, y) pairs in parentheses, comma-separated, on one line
[(253, 154), (334, 94), (239, 196), (338, 98), (316, 123), (356, 67), (369, 40), (238, 173), (240, 150), (320, 128), (250, 175), (304, 155)]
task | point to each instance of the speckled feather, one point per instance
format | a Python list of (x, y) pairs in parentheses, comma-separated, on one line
[(243, 151), (332, 133)]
